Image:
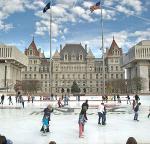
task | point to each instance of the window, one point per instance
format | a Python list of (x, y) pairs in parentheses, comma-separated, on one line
[(56, 68), (45, 76), (34, 76), (63, 76), (65, 57), (96, 76), (41, 76), (34, 68), (56, 76), (30, 68), (25, 76), (30, 52), (112, 75), (30, 76), (116, 68), (80, 57), (111, 68), (83, 76), (116, 75)]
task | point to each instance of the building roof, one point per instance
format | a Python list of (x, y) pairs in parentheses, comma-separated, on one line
[(113, 47), (73, 50), (34, 49)]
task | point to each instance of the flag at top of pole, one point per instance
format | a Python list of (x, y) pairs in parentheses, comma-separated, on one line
[(95, 7), (46, 7)]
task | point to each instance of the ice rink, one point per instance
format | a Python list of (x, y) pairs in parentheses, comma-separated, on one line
[(22, 126)]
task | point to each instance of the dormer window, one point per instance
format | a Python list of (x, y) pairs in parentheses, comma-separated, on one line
[(30, 52), (81, 57), (66, 57)]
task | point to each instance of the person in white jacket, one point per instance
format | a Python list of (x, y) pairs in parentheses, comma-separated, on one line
[(100, 112)]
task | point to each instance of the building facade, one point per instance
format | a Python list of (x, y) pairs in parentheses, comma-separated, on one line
[(73, 62), (11, 62), (137, 63)]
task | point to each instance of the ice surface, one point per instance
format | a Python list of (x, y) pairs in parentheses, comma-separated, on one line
[(22, 126)]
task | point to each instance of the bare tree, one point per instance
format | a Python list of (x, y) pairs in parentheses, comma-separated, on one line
[(31, 86)]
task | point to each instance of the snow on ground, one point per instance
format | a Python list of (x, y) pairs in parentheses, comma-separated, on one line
[(22, 126)]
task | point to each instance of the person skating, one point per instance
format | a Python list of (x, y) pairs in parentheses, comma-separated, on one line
[(22, 100), (81, 122), (136, 109), (104, 116), (118, 98), (45, 123), (10, 100), (47, 112), (137, 98), (100, 112), (32, 98), (128, 99), (85, 107), (2, 99)]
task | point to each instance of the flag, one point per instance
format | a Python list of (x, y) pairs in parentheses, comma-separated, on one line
[(95, 7), (46, 7)]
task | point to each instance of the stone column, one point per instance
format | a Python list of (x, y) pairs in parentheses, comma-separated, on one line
[(143, 73)]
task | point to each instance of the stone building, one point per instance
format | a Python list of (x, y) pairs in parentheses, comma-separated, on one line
[(11, 62), (73, 62), (137, 63)]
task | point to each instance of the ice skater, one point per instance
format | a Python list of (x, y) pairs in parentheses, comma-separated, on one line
[(137, 98), (100, 113), (45, 123), (10, 100), (85, 107), (81, 122), (136, 109), (128, 99), (47, 112), (22, 100), (2, 99)]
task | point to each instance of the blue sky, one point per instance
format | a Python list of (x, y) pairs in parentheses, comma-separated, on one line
[(127, 20)]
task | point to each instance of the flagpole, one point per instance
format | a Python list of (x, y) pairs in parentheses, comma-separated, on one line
[(102, 40), (50, 69)]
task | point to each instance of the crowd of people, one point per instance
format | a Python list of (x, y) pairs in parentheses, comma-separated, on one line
[(101, 110)]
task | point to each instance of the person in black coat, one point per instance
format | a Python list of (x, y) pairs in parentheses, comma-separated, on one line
[(2, 99), (47, 112), (85, 107), (137, 98), (136, 109)]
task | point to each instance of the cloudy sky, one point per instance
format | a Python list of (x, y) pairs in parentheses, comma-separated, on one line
[(127, 20)]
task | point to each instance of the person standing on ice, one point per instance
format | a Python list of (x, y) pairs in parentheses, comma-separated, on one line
[(136, 110), (85, 107), (81, 122), (22, 100), (47, 112), (2, 99), (10, 100), (45, 123)]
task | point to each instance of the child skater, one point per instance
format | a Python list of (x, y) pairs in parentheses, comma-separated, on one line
[(45, 123), (81, 122)]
